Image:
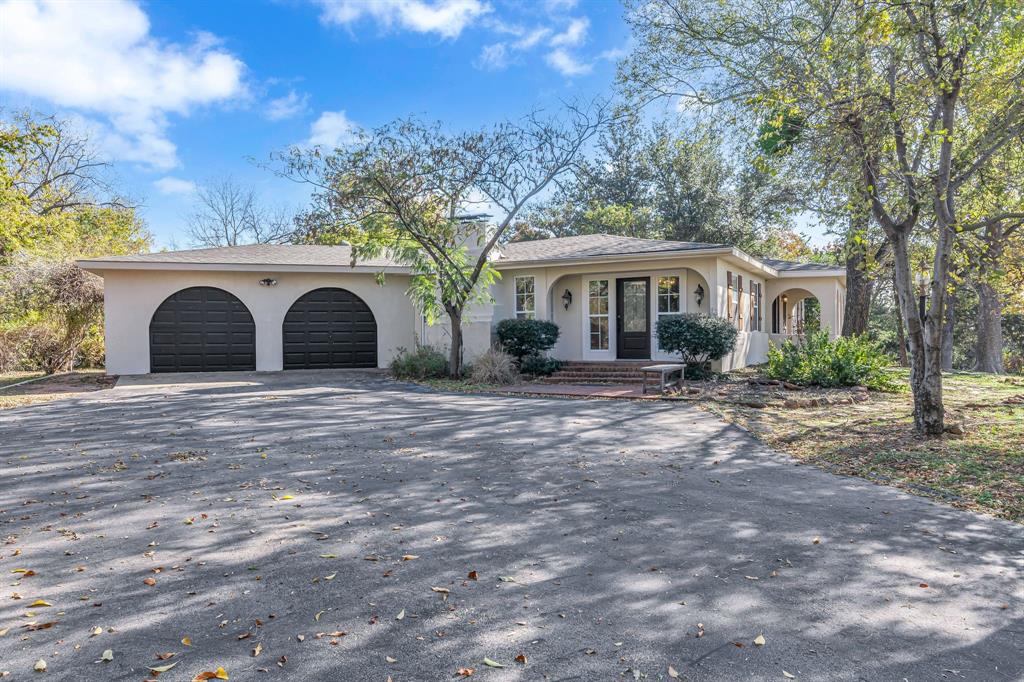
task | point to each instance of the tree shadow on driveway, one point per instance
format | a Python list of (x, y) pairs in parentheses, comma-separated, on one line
[(607, 539)]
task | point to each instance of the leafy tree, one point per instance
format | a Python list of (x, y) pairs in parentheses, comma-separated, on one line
[(405, 189), (901, 105)]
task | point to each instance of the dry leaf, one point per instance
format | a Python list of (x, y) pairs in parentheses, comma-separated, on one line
[(521, 658), (673, 673), (464, 672), (318, 614), (389, 659), (219, 674), (165, 656), (788, 676), (492, 664), (187, 641), (401, 615), (506, 579), (149, 581), (442, 590), (40, 666), (472, 575), (107, 655), (816, 541), (759, 640), (409, 557), (162, 668), (330, 577), (96, 631), (257, 650), (40, 602)]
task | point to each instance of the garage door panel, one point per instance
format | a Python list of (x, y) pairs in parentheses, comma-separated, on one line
[(329, 328), (202, 329)]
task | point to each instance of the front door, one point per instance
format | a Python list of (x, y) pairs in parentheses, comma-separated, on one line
[(633, 319)]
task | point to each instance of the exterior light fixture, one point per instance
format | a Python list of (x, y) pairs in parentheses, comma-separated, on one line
[(268, 282), (567, 299), (699, 293)]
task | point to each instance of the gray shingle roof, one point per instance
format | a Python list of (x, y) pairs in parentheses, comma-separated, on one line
[(593, 245), (253, 254), (793, 266)]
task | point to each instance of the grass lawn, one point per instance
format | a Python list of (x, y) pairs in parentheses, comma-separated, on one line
[(982, 469), (8, 378), (55, 387)]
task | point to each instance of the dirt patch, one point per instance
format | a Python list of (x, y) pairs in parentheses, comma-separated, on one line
[(55, 387)]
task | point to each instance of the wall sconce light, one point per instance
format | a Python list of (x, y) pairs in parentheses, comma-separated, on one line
[(567, 299), (268, 282), (699, 293), (785, 298)]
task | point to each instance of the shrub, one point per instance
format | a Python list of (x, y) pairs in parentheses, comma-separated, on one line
[(494, 367), (698, 338), (422, 362), (521, 338), (539, 365), (845, 361)]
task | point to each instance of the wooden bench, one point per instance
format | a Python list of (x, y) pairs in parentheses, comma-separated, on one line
[(663, 372)]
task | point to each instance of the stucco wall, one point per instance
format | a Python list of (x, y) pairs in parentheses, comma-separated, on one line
[(132, 296)]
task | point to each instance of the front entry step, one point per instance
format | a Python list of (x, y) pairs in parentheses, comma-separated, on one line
[(577, 372)]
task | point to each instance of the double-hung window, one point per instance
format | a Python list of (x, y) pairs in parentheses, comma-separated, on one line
[(669, 301), (598, 314), (526, 301)]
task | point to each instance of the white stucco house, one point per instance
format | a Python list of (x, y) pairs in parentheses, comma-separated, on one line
[(274, 307)]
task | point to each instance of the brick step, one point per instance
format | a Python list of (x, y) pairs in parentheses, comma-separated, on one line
[(591, 380), (598, 375)]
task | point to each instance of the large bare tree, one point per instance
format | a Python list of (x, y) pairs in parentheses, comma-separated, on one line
[(411, 189), (229, 214)]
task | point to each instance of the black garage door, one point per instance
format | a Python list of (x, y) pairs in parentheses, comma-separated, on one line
[(202, 329), (329, 328)]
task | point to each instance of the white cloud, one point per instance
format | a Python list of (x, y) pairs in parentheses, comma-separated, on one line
[(175, 186), (498, 56), (574, 34), (559, 5), (447, 18), (102, 61), (566, 64), (332, 129), (291, 105), (493, 57)]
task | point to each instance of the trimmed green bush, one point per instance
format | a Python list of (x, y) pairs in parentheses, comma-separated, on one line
[(698, 338), (521, 338), (539, 365), (844, 361), (422, 362)]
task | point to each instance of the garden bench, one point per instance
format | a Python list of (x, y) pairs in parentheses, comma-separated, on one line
[(663, 372)]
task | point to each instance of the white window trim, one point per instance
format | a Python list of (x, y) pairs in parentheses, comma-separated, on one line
[(656, 350), (527, 314), (601, 353)]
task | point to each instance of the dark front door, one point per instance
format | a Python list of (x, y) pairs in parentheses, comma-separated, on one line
[(329, 328), (633, 318)]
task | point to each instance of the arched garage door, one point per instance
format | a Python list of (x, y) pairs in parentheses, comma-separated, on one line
[(202, 329), (329, 328)]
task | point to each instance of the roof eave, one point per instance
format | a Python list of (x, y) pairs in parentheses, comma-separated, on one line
[(98, 266)]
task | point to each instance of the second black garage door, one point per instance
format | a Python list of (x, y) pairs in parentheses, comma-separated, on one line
[(327, 329)]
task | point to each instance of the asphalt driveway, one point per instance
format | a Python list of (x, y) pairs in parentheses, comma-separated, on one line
[(344, 527)]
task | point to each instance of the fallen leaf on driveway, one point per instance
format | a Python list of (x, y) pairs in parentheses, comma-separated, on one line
[(673, 673), (165, 656), (149, 581), (40, 602), (409, 557), (40, 666), (472, 575), (401, 615), (442, 590), (187, 641), (788, 676), (390, 659), (256, 650), (506, 579), (493, 664), (162, 668), (108, 655), (464, 672), (218, 674), (759, 640), (521, 658)]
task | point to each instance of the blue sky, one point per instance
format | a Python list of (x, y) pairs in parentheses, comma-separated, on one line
[(180, 92)]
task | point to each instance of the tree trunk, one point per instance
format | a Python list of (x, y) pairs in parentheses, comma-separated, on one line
[(925, 336), (901, 337), (988, 352), (947, 334), (859, 286), (455, 353)]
